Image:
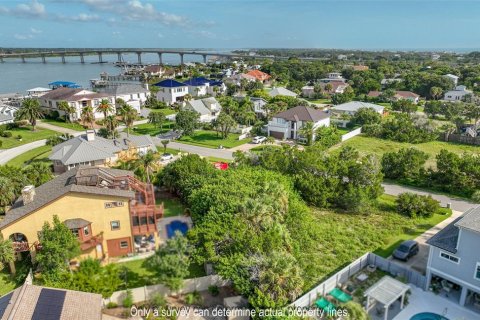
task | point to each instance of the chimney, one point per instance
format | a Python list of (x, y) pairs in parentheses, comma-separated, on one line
[(90, 135), (28, 194)]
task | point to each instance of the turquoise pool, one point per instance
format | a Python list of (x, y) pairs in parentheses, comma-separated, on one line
[(428, 316)]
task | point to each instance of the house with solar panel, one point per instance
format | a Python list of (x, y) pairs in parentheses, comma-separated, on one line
[(453, 268), (111, 213), (171, 91)]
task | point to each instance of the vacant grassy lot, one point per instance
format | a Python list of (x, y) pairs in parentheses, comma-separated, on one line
[(379, 146), (210, 139), (27, 136), (150, 129), (68, 125), (39, 154), (138, 275)]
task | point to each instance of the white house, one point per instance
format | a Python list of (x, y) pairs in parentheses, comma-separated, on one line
[(134, 95), (200, 86), (171, 91), (287, 124), (207, 108), (77, 98), (259, 106), (457, 94), (308, 91), (333, 76), (352, 107), (281, 91), (37, 92), (452, 77)]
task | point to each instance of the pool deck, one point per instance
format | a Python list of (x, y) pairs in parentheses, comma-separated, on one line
[(425, 301)]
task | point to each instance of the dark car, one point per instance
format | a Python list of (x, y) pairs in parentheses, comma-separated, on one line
[(406, 250)]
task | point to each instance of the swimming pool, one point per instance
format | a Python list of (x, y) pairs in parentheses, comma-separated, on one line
[(175, 226), (428, 316)]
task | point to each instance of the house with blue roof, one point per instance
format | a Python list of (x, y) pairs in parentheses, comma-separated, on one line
[(201, 86), (171, 91)]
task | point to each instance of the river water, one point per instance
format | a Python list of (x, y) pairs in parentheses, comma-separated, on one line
[(17, 77)]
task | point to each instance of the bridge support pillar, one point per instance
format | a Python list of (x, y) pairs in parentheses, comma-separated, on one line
[(119, 56), (43, 59), (139, 57), (204, 58), (82, 60), (63, 58), (181, 59), (100, 58), (160, 58), (23, 59)]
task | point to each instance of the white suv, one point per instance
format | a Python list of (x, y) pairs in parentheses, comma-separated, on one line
[(259, 139)]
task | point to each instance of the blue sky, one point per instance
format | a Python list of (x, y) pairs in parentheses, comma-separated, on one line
[(357, 24)]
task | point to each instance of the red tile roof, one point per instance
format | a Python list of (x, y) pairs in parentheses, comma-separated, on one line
[(259, 75)]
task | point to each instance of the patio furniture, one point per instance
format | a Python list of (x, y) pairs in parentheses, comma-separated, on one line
[(362, 277), (325, 305), (340, 295), (446, 285), (371, 268), (348, 288)]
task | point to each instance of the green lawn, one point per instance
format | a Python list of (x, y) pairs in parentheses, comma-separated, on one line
[(68, 125), (172, 206), (34, 155), (6, 282), (160, 149), (138, 275), (211, 140), (27, 136), (380, 146), (167, 111), (322, 101), (150, 129)]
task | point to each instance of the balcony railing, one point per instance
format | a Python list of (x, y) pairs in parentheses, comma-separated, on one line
[(92, 242)]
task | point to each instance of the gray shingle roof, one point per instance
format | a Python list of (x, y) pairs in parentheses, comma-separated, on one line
[(203, 106), (60, 186), (470, 220), (126, 89), (79, 149), (281, 91), (302, 113), (355, 105), (446, 238), (70, 94), (36, 302), (76, 223)]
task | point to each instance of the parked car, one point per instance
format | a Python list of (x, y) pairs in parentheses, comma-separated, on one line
[(406, 250), (259, 139), (166, 156)]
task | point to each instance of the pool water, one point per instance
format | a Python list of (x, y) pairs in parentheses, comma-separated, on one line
[(175, 226), (428, 316)]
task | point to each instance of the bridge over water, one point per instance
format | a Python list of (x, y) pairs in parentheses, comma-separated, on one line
[(81, 53)]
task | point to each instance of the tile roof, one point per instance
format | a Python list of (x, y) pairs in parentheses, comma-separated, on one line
[(60, 186), (407, 94), (259, 75), (169, 83), (302, 113), (70, 94), (35, 302), (79, 149), (355, 105)]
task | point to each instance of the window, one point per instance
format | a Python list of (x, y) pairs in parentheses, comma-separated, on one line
[(449, 257), (86, 231), (123, 244), (75, 232), (477, 271), (115, 225)]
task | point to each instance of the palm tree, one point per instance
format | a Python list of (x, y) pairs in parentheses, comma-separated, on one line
[(146, 161), (328, 87), (307, 131), (165, 143), (128, 116), (104, 107), (111, 123), (187, 97), (215, 91), (7, 193), (30, 111), (7, 255), (436, 92), (67, 109), (87, 116)]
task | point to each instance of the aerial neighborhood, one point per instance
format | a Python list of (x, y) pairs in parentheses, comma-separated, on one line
[(345, 183)]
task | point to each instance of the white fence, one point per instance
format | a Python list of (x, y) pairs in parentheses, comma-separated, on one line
[(351, 134), (343, 276), (189, 285)]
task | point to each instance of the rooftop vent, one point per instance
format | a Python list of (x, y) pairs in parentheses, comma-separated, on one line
[(28, 194)]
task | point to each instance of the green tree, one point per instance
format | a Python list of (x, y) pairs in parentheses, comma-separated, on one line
[(433, 108), (157, 119), (187, 121), (7, 193), (111, 123), (414, 205), (38, 173), (104, 107), (67, 109), (406, 163), (30, 111), (366, 116), (128, 115), (171, 262), (165, 143), (355, 311), (404, 105), (223, 124), (7, 255), (436, 92), (147, 162), (59, 246), (92, 277), (307, 131), (87, 116)]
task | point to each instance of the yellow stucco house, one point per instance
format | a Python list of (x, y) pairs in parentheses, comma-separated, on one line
[(105, 208)]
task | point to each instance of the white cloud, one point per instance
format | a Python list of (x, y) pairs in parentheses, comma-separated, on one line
[(84, 17), (35, 31), (22, 36), (32, 9), (160, 35)]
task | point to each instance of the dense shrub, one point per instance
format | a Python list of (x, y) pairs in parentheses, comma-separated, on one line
[(414, 205), (6, 134), (366, 116), (476, 196), (406, 163)]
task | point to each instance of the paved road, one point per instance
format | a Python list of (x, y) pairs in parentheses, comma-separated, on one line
[(58, 128), (8, 154), (202, 151), (457, 203)]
